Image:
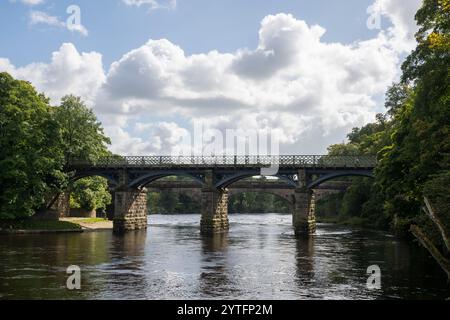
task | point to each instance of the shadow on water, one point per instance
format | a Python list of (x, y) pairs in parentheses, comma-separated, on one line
[(215, 277), (34, 266), (125, 269), (304, 261)]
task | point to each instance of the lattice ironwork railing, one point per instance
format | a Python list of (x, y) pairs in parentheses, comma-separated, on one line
[(230, 161)]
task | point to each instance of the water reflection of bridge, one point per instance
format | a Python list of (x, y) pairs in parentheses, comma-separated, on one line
[(215, 178)]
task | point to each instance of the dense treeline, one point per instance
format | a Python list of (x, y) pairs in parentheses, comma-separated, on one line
[(37, 141), (247, 202), (411, 141), (171, 202), (258, 202), (362, 203)]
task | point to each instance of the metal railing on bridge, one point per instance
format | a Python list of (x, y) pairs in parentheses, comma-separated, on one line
[(306, 161)]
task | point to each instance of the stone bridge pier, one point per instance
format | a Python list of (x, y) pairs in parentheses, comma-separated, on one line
[(130, 210), (303, 216), (214, 207)]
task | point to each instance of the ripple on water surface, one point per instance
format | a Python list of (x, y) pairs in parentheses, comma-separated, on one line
[(259, 258)]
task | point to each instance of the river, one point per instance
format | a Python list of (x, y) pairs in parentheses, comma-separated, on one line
[(258, 259)]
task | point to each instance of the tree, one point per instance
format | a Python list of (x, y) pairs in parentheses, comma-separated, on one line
[(90, 194), (82, 138), (30, 158), (343, 149), (420, 145), (82, 135), (37, 142), (362, 198), (432, 227), (168, 201)]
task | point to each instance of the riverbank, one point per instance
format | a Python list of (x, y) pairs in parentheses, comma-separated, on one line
[(65, 225), (38, 226), (90, 224), (351, 222)]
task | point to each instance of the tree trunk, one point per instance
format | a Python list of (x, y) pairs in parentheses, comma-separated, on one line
[(437, 255), (437, 221)]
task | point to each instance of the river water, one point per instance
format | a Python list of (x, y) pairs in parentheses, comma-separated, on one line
[(258, 259)]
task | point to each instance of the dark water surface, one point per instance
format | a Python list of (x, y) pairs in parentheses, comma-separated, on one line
[(258, 259)]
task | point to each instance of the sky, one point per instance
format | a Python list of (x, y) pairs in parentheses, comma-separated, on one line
[(303, 72)]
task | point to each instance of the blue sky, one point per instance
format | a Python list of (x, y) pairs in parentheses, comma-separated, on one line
[(196, 25), (307, 71)]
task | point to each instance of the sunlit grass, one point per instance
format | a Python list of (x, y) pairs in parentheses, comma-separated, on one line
[(91, 220)]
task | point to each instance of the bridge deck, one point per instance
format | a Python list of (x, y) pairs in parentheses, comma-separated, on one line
[(283, 161), (245, 184)]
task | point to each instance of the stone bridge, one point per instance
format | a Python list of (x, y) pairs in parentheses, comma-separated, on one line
[(215, 176)]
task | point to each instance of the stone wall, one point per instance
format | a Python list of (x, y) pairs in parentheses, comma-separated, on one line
[(304, 219), (214, 211), (130, 210), (61, 207)]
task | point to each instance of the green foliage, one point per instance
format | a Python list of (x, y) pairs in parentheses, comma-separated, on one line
[(82, 135), (420, 145), (437, 190), (361, 202), (90, 193), (433, 37), (343, 149), (83, 139), (37, 141), (330, 205), (30, 158), (355, 197), (171, 202), (413, 140), (248, 202), (257, 202)]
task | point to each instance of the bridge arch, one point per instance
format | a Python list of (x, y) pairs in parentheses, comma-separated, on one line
[(322, 179), (111, 180), (227, 181), (148, 178)]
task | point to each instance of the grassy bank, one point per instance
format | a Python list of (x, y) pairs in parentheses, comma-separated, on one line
[(38, 225), (88, 220)]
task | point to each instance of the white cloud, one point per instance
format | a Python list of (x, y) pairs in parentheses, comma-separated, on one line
[(30, 2), (309, 92), (401, 14), (40, 17), (152, 4), (69, 72), (291, 82), (78, 28)]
